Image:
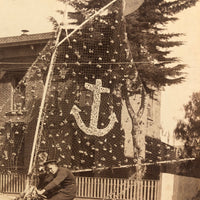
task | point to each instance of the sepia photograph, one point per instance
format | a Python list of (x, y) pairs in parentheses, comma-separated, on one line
[(99, 100)]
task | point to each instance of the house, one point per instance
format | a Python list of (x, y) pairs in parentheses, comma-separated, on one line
[(16, 56)]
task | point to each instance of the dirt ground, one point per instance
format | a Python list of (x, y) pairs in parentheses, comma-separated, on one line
[(7, 197), (11, 197)]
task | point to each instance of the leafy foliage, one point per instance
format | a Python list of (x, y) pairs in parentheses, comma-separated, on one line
[(189, 128), (151, 45)]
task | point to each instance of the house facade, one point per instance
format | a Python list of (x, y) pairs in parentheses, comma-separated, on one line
[(16, 56)]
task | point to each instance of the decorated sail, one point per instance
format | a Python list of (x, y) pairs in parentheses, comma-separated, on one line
[(83, 119)]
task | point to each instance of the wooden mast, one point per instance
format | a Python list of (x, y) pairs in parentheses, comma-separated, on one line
[(46, 86)]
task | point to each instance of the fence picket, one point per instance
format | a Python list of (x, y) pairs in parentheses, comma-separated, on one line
[(98, 188), (141, 190), (145, 189), (148, 190), (79, 185), (117, 188), (122, 188), (131, 190), (89, 186), (111, 188), (85, 187), (101, 188), (95, 187), (152, 190), (156, 190), (138, 190), (104, 187), (108, 188), (92, 187)]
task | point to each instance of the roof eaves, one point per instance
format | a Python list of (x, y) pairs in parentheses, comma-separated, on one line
[(26, 39)]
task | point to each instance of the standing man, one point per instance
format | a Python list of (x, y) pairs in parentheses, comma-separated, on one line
[(63, 183)]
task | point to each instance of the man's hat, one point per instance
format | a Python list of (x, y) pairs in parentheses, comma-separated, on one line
[(50, 162)]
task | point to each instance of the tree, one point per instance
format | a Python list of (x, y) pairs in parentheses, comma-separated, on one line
[(151, 45), (189, 129)]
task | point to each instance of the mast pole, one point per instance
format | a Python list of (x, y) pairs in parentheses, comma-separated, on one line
[(46, 86)]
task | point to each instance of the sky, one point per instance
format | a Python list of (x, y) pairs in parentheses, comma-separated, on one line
[(32, 15), (174, 97)]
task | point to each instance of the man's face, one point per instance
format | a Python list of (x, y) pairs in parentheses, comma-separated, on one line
[(52, 168)]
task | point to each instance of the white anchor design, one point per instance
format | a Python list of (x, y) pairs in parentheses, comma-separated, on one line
[(97, 89)]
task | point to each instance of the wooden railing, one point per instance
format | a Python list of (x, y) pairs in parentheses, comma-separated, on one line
[(12, 183), (112, 188), (94, 187)]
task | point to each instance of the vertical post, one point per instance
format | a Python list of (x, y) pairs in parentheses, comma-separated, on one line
[(108, 187), (101, 187), (131, 189), (104, 187), (152, 189), (148, 190), (89, 187), (37, 130), (95, 187), (159, 193), (145, 189), (156, 190)]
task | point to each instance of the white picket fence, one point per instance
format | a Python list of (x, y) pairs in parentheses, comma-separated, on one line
[(94, 187), (12, 183), (112, 188)]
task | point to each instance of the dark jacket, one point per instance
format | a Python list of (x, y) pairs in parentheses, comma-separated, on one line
[(44, 179), (64, 182)]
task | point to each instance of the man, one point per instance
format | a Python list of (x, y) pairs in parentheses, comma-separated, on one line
[(63, 183)]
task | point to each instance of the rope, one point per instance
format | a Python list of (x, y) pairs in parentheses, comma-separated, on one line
[(116, 196), (87, 20), (82, 63), (39, 125), (134, 165)]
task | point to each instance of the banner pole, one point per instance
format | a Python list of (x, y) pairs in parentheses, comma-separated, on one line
[(51, 67)]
